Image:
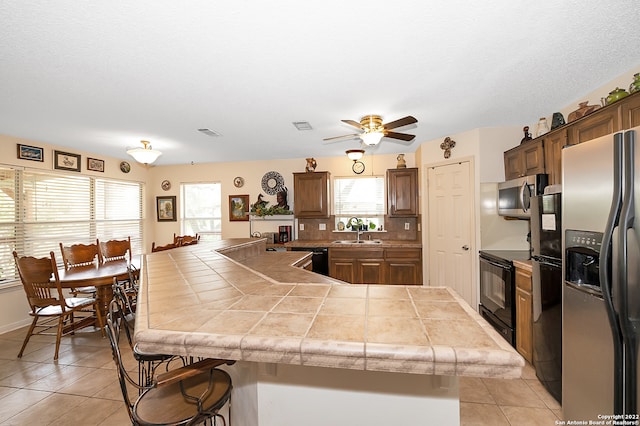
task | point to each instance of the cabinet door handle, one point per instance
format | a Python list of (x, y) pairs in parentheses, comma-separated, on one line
[(465, 247)]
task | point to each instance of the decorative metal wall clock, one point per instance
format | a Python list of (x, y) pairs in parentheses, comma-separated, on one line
[(166, 185), (358, 167)]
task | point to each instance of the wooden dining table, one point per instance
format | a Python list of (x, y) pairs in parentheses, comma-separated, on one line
[(99, 275)]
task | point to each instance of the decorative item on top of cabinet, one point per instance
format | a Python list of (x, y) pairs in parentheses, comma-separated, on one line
[(311, 165), (583, 109), (447, 146), (557, 120), (402, 164), (402, 192), (635, 84), (527, 135), (311, 194), (542, 127), (616, 95)]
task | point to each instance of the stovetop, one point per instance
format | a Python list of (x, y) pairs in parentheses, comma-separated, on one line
[(506, 255)]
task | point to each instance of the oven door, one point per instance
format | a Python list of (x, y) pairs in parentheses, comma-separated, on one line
[(496, 292)]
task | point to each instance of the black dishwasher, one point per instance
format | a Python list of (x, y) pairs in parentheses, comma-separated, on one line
[(319, 259)]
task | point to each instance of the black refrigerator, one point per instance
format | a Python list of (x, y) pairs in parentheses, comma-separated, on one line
[(546, 260)]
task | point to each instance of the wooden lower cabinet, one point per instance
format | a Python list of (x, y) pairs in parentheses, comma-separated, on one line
[(404, 266), (376, 265), (524, 314)]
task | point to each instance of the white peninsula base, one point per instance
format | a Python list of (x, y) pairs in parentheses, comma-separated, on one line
[(291, 395)]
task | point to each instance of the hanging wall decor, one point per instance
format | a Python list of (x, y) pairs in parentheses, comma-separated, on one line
[(447, 145)]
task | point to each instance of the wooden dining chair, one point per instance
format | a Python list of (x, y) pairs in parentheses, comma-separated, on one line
[(186, 240), (155, 248), (77, 255), (114, 250), (186, 395), (49, 308)]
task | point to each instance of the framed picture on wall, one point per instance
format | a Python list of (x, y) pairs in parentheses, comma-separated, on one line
[(95, 165), (166, 208), (238, 208), (32, 153), (66, 161)]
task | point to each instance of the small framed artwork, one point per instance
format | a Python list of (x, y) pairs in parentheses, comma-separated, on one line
[(95, 165), (166, 208), (238, 208), (33, 153), (66, 161)]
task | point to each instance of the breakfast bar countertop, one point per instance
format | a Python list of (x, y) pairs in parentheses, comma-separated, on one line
[(221, 300)]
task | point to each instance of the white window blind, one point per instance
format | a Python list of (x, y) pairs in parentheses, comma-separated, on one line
[(39, 210), (360, 196), (201, 210)]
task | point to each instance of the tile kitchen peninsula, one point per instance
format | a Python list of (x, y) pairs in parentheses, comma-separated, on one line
[(310, 349)]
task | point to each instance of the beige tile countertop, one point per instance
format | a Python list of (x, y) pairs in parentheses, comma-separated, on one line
[(221, 300)]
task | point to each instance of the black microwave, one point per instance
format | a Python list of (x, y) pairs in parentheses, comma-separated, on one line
[(514, 196)]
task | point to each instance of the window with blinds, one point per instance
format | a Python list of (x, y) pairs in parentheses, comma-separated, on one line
[(201, 210), (39, 210), (360, 197)]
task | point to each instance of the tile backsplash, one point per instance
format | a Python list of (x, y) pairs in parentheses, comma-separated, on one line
[(394, 230)]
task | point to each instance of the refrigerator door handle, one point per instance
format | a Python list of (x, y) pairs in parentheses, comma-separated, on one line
[(627, 326), (605, 266)]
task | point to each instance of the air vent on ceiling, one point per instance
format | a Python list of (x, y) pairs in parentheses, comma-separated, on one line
[(302, 125), (209, 132)]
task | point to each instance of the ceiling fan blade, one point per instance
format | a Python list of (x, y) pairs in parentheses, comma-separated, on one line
[(355, 135), (400, 122), (354, 124), (401, 136)]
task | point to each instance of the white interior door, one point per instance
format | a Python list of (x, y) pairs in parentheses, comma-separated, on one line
[(450, 209)]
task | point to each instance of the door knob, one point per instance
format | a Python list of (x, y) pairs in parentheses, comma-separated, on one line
[(465, 247)]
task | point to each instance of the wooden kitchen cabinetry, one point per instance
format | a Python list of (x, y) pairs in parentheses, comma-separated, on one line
[(553, 143), (524, 160), (630, 111), (311, 194), (599, 123), (357, 265), (402, 192), (363, 265), (404, 266), (524, 314)]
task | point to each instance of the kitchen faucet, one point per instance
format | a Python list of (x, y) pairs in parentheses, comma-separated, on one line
[(359, 232)]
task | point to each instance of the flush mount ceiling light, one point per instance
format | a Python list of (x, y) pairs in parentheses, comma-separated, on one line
[(144, 155), (355, 154)]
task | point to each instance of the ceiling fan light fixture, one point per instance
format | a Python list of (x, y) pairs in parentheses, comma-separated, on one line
[(146, 154), (371, 138), (355, 154)]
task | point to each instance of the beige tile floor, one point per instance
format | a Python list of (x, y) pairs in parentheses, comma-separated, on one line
[(81, 388)]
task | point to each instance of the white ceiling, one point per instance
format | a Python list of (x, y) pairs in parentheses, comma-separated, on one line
[(99, 76)]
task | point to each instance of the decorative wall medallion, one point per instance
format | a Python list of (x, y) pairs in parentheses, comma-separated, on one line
[(166, 185), (272, 183), (125, 167), (447, 145), (238, 182), (358, 167)]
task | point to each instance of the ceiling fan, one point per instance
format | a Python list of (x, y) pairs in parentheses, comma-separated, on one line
[(374, 129)]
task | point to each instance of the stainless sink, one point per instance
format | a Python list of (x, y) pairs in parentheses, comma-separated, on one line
[(357, 242)]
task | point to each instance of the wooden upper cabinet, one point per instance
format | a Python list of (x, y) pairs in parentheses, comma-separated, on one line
[(402, 192), (553, 143), (524, 160), (630, 109), (311, 194), (599, 123)]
